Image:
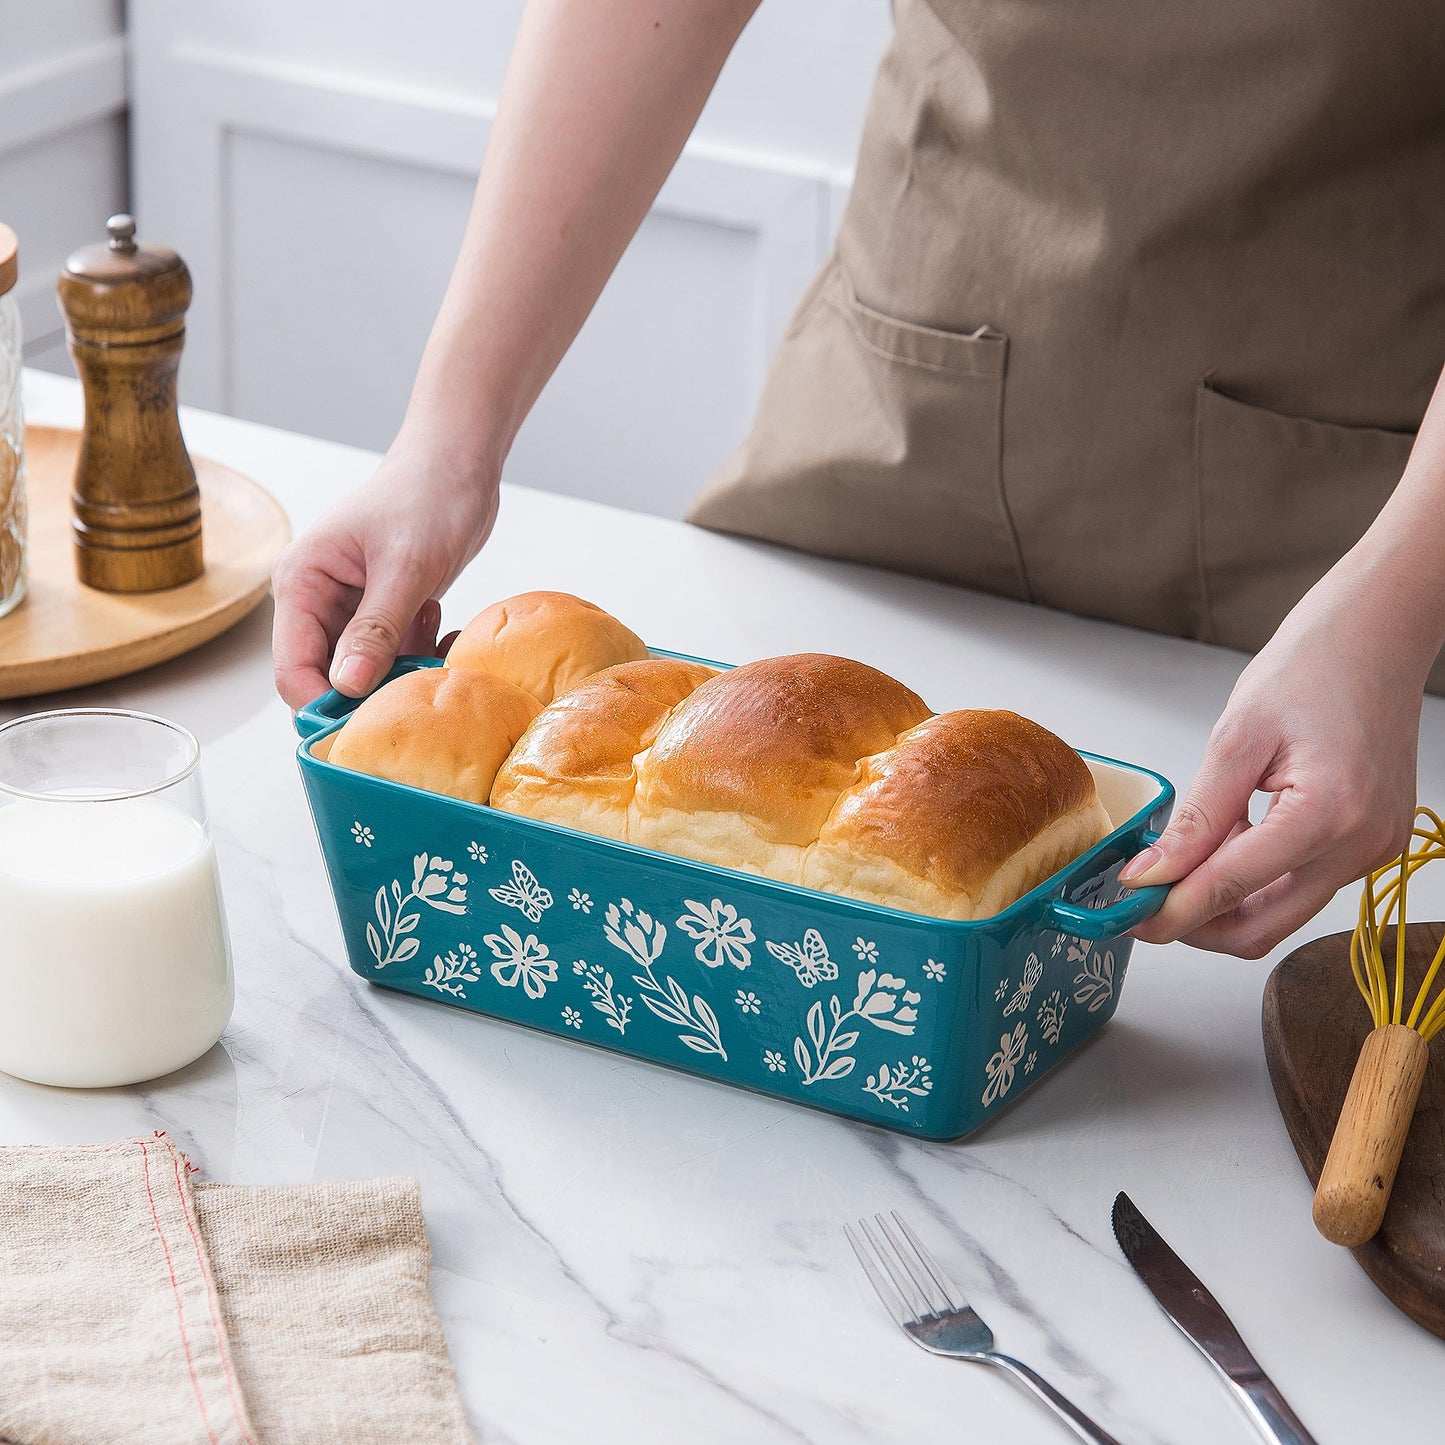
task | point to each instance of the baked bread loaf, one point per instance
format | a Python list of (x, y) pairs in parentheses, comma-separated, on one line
[(811, 770), (545, 642), (965, 813), (575, 765), (442, 729), (748, 767)]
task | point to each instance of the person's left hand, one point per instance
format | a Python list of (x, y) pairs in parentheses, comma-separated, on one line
[(1326, 719)]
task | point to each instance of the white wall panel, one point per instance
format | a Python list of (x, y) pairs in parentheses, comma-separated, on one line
[(336, 263), (660, 383), (62, 145), (40, 30), (316, 175)]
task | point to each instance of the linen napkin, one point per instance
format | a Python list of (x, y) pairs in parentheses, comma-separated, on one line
[(139, 1305)]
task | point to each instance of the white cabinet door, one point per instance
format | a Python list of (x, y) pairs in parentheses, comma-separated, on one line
[(314, 165), (62, 145)]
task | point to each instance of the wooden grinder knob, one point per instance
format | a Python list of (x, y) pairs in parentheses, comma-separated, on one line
[(1359, 1170), (136, 507)]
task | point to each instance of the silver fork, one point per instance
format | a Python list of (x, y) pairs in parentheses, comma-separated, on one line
[(917, 1293)]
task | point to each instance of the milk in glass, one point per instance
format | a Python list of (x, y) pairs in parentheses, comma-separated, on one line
[(114, 961)]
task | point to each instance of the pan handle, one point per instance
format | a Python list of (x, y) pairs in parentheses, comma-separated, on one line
[(332, 706), (1096, 923), (321, 712)]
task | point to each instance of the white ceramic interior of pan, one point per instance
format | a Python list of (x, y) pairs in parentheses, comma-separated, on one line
[(1124, 792)]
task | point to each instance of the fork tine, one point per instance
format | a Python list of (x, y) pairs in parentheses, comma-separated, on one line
[(912, 1266), (892, 1301), (935, 1271), (915, 1302)]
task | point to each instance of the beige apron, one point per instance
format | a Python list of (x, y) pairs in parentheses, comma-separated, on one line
[(1134, 311)]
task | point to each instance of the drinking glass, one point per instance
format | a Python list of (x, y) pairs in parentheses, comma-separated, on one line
[(115, 965)]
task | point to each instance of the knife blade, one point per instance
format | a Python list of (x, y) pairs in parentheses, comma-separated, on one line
[(1201, 1318)]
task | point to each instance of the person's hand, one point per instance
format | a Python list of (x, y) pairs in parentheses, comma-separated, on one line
[(1326, 719), (362, 585)]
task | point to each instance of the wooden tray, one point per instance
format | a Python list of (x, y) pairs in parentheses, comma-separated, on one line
[(1314, 1024), (66, 635)]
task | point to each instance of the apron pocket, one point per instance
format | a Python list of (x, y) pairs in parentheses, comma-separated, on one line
[(1281, 500), (877, 440)]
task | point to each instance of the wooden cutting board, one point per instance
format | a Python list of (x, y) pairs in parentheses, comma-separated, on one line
[(1314, 1024), (66, 635)]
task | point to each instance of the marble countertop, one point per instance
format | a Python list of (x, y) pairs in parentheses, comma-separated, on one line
[(625, 1254)]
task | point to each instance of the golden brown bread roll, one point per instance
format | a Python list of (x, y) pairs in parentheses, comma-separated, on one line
[(964, 814), (748, 767), (575, 764), (545, 642), (441, 729)]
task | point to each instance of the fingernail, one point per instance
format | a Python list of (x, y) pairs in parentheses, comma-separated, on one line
[(1139, 865), (354, 674)]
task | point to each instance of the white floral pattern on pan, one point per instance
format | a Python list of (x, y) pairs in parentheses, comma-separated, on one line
[(808, 959), (642, 937), (722, 934), (1094, 986), (524, 893), (449, 974), (1033, 972), (434, 883), (896, 1083), (877, 1002), (1000, 1068), (521, 960), (614, 1007), (1050, 1016), (825, 1050)]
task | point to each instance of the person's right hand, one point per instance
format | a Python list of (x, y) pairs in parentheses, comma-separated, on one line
[(362, 585)]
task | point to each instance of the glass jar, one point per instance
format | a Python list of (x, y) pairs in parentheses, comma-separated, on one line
[(12, 435)]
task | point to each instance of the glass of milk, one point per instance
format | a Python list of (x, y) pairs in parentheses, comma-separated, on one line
[(115, 964)]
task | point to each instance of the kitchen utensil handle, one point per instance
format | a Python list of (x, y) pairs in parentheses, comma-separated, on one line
[(1369, 1138), (332, 706), (1065, 1409), (320, 713), (1134, 907), (1271, 1413)]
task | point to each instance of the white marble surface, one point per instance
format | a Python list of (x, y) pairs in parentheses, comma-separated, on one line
[(624, 1254)]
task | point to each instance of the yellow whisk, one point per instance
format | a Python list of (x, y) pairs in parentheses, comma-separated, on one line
[(1369, 1138)]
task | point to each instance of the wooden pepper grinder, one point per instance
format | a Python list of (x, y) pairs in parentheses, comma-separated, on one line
[(136, 506)]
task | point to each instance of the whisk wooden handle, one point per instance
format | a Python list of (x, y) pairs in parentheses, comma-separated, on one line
[(1359, 1170)]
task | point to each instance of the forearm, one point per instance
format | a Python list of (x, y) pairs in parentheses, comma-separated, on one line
[(1383, 604), (599, 97), (1394, 577)]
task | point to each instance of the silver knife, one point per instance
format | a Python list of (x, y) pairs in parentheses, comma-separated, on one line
[(1182, 1296)]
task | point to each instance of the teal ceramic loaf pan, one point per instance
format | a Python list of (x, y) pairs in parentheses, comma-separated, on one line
[(920, 1025)]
